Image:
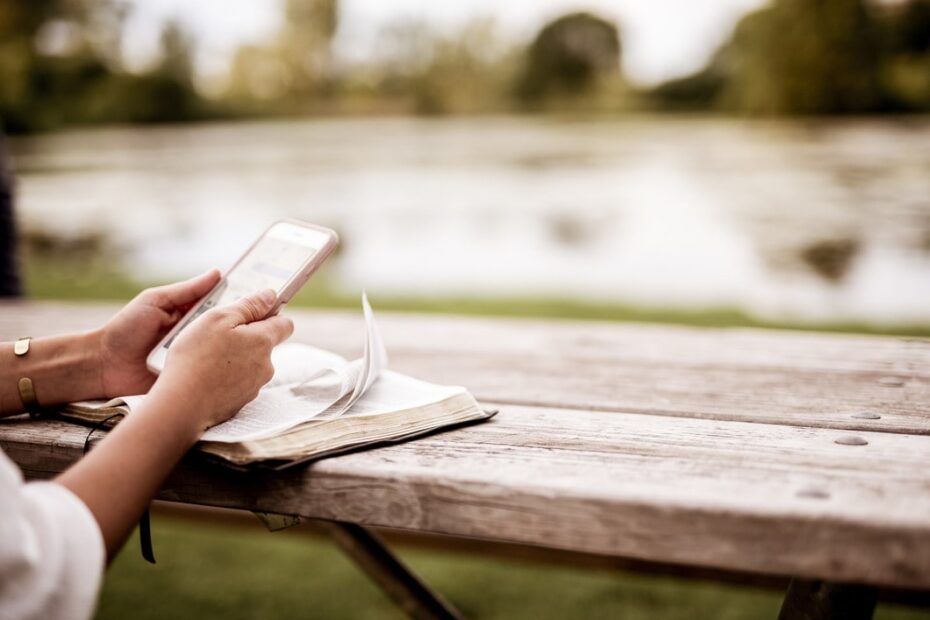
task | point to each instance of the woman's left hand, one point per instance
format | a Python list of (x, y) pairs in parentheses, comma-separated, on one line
[(127, 339)]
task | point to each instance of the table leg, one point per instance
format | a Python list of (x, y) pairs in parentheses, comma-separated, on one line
[(413, 596), (820, 600)]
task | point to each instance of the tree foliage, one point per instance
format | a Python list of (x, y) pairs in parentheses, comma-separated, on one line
[(60, 64), (297, 63), (569, 55), (817, 57)]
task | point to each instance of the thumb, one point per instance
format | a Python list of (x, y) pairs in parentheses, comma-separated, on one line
[(252, 307), (179, 294)]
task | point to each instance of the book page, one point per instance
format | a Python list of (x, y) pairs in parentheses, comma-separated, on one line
[(358, 375), (275, 410), (277, 407), (313, 384), (328, 392), (394, 392), (295, 363)]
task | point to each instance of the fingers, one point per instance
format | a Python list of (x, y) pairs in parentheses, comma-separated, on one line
[(250, 308), (173, 296), (276, 329)]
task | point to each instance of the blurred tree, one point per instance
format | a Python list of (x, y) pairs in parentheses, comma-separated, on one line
[(307, 39), (297, 65), (907, 27), (166, 93), (61, 63), (816, 57), (467, 71), (804, 56), (177, 47), (258, 73), (568, 57), (906, 37), (699, 91), (46, 57)]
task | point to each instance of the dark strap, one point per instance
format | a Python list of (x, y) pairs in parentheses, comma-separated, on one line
[(145, 537), (145, 523)]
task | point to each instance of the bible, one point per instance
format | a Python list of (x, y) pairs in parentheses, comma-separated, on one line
[(319, 404)]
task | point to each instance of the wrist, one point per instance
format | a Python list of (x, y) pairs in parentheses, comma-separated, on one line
[(176, 408), (94, 362), (61, 368)]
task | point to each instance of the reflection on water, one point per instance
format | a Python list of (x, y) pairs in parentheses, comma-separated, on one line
[(786, 220)]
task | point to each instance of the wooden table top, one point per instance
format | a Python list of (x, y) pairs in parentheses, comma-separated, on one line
[(773, 452)]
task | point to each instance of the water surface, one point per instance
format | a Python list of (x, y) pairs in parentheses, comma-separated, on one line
[(786, 220)]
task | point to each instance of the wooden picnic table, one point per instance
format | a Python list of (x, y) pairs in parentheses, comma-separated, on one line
[(763, 452)]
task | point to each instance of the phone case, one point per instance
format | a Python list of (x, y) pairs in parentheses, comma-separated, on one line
[(155, 359)]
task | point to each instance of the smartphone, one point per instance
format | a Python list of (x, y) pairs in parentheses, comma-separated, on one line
[(283, 258)]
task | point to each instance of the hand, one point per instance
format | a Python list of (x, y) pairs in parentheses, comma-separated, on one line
[(127, 339), (222, 359), (213, 368)]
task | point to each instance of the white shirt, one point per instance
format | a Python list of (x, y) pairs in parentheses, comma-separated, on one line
[(52, 554)]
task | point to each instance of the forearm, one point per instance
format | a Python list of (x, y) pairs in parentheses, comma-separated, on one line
[(62, 369), (119, 477)]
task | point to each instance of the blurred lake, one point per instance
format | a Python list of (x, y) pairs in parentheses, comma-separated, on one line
[(826, 220)]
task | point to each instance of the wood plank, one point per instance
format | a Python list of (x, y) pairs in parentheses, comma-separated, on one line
[(588, 340), (507, 551), (770, 499), (774, 396), (767, 376)]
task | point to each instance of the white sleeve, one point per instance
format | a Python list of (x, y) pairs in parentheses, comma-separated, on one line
[(52, 553)]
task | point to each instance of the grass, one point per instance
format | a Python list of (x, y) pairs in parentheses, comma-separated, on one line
[(226, 571), (93, 279), (212, 570)]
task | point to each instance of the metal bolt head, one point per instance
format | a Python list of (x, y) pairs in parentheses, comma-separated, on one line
[(811, 493), (866, 415), (851, 440)]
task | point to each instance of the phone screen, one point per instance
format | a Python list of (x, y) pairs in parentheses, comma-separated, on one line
[(281, 252)]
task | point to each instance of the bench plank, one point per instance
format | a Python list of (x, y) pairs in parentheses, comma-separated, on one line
[(759, 498), (750, 375)]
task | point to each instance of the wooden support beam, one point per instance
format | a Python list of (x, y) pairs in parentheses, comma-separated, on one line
[(410, 593), (821, 600)]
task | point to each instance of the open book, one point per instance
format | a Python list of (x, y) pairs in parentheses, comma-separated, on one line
[(319, 404)]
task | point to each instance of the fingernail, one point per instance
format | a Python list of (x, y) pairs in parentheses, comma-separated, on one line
[(267, 296)]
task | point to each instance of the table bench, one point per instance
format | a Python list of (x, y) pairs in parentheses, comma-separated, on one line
[(755, 452)]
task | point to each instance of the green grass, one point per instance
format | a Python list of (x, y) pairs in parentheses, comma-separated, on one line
[(94, 279), (212, 570), (77, 279)]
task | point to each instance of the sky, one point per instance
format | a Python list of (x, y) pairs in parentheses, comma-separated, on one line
[(661, 38)]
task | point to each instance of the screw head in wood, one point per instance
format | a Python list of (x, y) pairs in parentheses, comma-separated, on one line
[(891, 381), (866, 415), (851, 440), (813, 493)]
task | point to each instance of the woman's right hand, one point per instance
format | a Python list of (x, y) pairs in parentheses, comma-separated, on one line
[(221, 360), (215, 366)]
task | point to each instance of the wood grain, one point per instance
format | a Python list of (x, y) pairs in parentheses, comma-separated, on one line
[(760, 498), (750, 375), (724, 449)]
